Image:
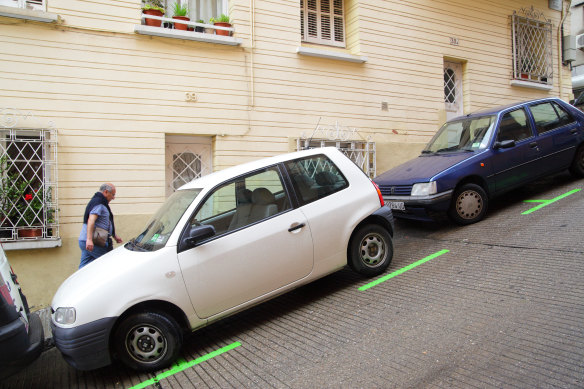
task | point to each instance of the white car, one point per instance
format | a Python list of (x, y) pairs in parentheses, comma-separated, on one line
[(218, 245)]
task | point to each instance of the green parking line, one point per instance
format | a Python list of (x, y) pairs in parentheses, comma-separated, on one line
[(183, 365), (547, 202), (402, 270)]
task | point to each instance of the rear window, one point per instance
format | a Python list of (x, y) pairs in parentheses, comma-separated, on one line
[(315, 177)]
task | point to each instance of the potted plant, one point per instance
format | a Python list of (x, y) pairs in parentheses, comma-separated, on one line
[(154, 8), (12, 190), (222, 21), (32, 216), (180, 13), (200, 28)]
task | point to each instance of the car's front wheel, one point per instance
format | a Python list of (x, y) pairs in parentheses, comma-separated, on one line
[(469, 204), (371, 250), (147, 341), (577, 167)]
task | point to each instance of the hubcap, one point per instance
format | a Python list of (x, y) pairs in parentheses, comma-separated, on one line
[(469, 204), (146, 343), (373, 250)]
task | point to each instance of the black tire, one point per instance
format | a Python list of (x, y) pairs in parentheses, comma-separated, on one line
[(577, 167), (371, 250), (469, 204), (147, 341)]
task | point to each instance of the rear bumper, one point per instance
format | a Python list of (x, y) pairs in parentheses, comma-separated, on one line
[(85, 347), (421, 207), (19, 347)]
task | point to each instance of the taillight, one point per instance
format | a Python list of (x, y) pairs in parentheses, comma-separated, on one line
[(378, 194)]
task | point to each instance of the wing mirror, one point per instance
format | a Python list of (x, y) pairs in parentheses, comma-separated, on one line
[(504, 144), (196, 235)]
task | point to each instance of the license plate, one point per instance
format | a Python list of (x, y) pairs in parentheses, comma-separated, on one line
[(397, 205)]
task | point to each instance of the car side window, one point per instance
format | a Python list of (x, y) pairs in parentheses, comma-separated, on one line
[(549, 116), (243, 201), (315, 177), (514, 126)]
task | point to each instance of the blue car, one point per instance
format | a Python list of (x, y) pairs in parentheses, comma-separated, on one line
[(476, 157)]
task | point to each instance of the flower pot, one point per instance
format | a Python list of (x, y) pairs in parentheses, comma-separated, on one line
[(153, 22), (222, 32), (31, 232), (180, 26)]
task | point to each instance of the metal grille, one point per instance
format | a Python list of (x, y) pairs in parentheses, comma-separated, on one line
[(532, 46), (362, 152), (28, 189), (186, 167), (395, 190)]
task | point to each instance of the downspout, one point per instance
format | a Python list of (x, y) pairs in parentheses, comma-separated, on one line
[(560, 46), (252, 41)]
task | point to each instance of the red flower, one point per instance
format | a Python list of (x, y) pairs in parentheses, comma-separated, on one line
[(28, 197)]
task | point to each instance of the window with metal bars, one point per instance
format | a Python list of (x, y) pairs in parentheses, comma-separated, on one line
[(28, 185), (38, 5), (323, 22), (532, 46)]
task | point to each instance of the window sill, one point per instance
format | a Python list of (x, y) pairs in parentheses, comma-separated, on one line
[(28, 14), (532, 85), (188, 35), (32, 244), (331, 55)]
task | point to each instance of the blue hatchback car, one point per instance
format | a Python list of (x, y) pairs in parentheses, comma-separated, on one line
[(476, 157)]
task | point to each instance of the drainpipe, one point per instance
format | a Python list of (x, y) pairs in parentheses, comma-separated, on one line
[(252, 41), (560, 45)]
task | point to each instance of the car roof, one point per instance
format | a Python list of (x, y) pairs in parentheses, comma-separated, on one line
[(234, 171), (496, 110)]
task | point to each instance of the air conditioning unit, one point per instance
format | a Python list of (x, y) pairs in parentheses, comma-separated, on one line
[(580, 41)]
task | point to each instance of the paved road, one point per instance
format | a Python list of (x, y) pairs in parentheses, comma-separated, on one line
[(504, 307)]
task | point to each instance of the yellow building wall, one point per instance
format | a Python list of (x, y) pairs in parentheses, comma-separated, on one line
[(114, 94)]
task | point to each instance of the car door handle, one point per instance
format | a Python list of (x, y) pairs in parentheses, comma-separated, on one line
[(574, 130), (296, 227), (533, 145)]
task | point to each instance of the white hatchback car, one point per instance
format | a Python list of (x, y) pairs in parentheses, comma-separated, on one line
[(218, 245)]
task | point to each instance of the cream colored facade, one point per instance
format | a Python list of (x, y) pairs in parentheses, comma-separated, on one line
[(115, 95)]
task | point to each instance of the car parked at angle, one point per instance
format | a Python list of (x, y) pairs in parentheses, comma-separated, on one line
[(476, 157), (218, 245), (21, 332)]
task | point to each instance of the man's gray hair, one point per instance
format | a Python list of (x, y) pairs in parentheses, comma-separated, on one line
[(107, 187)]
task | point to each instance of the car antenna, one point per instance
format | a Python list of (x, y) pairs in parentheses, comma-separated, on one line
[(307, 147)]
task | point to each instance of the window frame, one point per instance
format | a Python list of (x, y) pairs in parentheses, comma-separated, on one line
[(305, 13), (532, 46), (555, 107)]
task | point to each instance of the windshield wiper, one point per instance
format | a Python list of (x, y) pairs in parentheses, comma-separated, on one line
[(427, 152)]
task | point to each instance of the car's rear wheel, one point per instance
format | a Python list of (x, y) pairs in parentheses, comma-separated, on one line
[(577, 167), (371, 250), (147, 341), (469, 204)]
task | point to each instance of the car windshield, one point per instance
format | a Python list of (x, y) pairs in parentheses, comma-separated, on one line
[(466, 134), (159, 228)]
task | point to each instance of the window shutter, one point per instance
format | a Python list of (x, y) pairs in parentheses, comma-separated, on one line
[(322, 21)]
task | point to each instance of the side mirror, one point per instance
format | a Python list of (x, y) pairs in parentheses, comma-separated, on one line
[(504, 144), (195, 235)]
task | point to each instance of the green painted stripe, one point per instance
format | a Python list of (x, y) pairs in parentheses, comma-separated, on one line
[(402, 270), (183, 365), (545, 203)]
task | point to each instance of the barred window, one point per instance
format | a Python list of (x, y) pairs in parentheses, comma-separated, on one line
[(532, 46), (322, 21)]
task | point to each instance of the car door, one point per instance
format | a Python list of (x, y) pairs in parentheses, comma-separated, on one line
[(514, 165), (265, 246), (556, 137)]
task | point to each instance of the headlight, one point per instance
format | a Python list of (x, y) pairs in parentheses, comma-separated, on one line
[(424, 189), (65, 315)]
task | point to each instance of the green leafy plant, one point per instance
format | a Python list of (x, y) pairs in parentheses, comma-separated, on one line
[(33, 209), (180, 10), (222, 19), (12, 189), (153, 4)]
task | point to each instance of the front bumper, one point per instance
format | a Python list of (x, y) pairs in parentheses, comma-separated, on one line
[(85, 347), (421, 207)]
